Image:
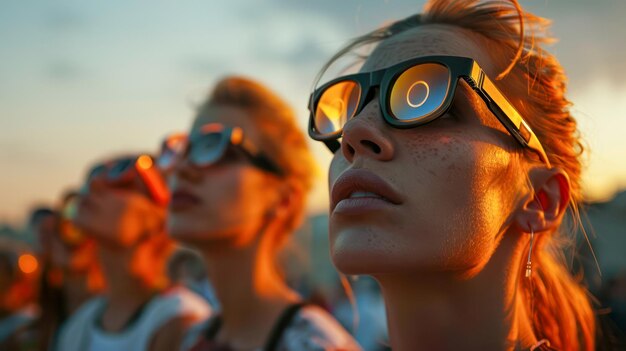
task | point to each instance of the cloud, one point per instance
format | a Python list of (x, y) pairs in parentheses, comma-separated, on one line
[(203, 66), (590, 33), (15, 153), (63, 70), (306, 50), (349, 12), (590, 47), (63, 19)]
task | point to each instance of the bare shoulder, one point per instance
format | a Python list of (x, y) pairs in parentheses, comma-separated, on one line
[(315, 329)]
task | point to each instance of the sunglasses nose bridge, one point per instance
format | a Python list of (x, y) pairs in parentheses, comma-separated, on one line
[(370, 90), (376, 77)]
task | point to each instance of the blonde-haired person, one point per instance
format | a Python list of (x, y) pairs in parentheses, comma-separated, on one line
[(239, 182), (122, 208), (458, 160)]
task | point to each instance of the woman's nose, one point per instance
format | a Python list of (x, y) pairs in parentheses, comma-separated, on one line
[(363, 136)]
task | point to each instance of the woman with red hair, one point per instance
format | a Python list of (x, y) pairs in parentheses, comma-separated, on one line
[(455, 160), (239, 184)]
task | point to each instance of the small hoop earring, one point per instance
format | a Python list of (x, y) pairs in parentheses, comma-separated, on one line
[(541, 345), (529, 268)]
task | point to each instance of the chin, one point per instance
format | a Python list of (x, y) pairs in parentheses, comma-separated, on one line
[(195, 232), (363, 251), (183, 229)]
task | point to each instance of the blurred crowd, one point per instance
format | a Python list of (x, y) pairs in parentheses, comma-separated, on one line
[(103, 271), (126, 260), (44, 282)]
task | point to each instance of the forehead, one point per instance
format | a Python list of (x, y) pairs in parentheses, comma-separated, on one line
[(430, 40), (230, 116), (226, 115)]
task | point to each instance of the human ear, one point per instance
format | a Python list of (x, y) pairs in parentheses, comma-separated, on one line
[(288, 196), (544, 208)]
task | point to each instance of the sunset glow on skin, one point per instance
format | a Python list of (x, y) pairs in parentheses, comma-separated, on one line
[(463, 230), (238, 214)]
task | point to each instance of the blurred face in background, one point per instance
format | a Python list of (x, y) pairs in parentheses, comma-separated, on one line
[(226, 202), (71, 248), (45, 229), (118, 214)]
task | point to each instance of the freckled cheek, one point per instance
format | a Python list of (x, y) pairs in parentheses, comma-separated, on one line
[(444, 155), (444, 177), (220, 193)]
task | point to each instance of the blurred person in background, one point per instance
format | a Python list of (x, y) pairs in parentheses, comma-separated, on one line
[(18, 292), (71, 273), (449, 184), (186, 268), (43, 224), (76, 254), (239, 186), (122, 207)]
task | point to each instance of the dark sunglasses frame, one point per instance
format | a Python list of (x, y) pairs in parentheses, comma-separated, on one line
[(459, 68), (229, 137), (127, 169)]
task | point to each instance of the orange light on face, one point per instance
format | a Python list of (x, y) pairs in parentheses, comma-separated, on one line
[(144, 162), (28, 263), (236, 136)]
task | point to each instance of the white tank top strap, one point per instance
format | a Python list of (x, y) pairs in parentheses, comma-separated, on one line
[(174, 303)]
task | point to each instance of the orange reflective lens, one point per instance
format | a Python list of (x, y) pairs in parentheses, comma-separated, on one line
[(336, 106), (419, 91)]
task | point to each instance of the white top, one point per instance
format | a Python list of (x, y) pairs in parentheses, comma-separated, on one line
[(314, 329), (17, 320), (81, 332)]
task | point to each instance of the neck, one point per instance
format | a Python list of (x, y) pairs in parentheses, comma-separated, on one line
[(124, 290), (251, 292), (76, 289), (435, 311)]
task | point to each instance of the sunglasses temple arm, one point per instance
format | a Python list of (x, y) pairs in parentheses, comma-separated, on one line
[(258, 158), (505, 112), (155, 184)]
